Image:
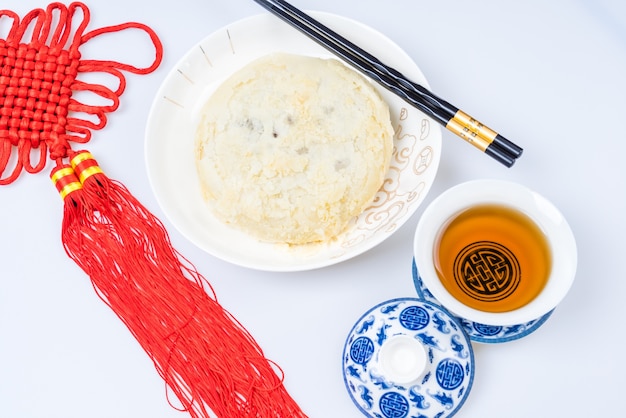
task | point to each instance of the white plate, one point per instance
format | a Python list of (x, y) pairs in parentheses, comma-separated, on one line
[(170, 139)]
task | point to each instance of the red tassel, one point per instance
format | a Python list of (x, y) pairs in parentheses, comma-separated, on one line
[(70, 189), (205, 356)]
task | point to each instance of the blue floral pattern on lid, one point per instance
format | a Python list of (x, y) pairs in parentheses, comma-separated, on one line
[(440, 384), (483, 333)]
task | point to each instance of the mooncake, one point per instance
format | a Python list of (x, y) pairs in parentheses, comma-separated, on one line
[(290, 148)]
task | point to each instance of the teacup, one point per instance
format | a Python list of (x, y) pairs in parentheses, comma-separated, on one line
[(495, 252)]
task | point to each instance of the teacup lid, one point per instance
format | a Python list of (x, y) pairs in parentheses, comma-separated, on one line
[(406, 358)]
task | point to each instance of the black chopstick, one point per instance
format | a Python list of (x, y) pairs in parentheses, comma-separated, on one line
[(452, 118)]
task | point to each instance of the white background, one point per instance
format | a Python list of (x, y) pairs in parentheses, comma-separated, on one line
[(549, 75)]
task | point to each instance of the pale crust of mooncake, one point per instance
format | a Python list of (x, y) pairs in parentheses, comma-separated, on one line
[(290, 148)]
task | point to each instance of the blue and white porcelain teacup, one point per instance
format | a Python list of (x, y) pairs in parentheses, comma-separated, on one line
[(487, 271)]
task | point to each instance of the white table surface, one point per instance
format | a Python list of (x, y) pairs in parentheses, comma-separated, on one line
[(549, 75)]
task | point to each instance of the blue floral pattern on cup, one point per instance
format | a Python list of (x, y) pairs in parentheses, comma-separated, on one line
[(441, 388), (483, 333)]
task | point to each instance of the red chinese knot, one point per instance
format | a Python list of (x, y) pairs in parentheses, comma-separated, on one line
[(40, 69)]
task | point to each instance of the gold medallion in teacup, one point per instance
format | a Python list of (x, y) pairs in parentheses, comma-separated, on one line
[(495, 252)]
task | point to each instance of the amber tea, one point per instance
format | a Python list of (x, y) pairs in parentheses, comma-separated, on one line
[(492, 258)]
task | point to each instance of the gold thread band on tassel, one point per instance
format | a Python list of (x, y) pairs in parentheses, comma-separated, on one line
[(69, 188), (85, 165), (60, 173), (88, 172), (80, 157), (65, 181)]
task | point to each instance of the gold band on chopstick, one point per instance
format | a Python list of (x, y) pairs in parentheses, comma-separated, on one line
[(475, 126), (500, 148), (467, 134)]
